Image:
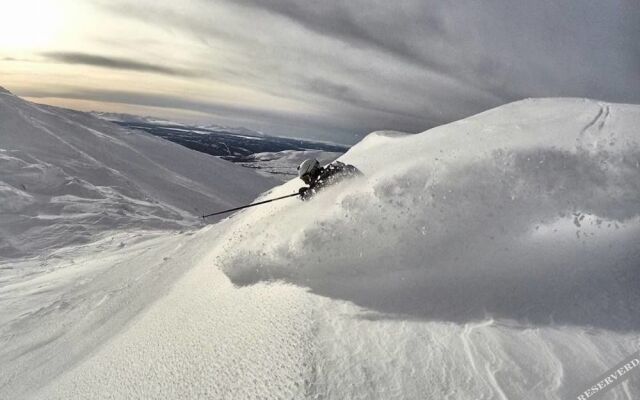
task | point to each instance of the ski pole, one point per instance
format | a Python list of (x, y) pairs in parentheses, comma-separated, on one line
[(250, 205)]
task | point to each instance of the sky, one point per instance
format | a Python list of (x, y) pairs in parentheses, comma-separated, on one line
[(329, 70)]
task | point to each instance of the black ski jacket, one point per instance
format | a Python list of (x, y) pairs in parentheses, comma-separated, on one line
[(328, 176)]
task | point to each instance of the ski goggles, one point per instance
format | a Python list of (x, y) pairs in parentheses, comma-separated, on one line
[(306, 178)]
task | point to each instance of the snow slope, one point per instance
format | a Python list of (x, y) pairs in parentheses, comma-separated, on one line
[(66, 176), (493, 258), (537, 202)]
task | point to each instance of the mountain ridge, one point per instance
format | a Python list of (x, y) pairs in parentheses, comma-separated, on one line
[(64, 169)]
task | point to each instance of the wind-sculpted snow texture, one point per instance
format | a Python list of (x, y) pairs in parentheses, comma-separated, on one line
[(66, 176), (529, 213)]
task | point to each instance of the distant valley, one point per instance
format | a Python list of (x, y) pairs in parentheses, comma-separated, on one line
[(231, 144)]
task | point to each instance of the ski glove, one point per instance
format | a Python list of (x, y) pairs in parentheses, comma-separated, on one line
[(304, 193)]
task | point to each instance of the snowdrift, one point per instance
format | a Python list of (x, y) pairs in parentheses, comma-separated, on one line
[(528, 212), (66, 176)]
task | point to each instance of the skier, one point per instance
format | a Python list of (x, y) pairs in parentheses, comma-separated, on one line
[(318, 177)]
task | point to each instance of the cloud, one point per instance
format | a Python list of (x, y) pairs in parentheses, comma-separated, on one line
[(356, 66), (512, 49), (113, 63), (287, 123), (14, 59), (347, 21)]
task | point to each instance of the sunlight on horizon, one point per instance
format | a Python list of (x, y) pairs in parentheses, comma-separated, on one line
[(30, 24)]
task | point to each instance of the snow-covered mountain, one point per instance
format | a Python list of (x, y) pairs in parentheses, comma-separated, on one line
[(130, 118), (492, 258), (66, 176), (138, 119)]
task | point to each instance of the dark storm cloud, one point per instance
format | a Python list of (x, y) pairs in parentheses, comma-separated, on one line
[(348, 23), (333, 90), (113, 63), (144, 99), (361, 65), (340, 128), (531, 43), (347, 95), (14, 59), (343, 21), (252, 117)]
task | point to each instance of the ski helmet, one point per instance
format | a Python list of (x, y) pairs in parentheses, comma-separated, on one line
[(308, 168)]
